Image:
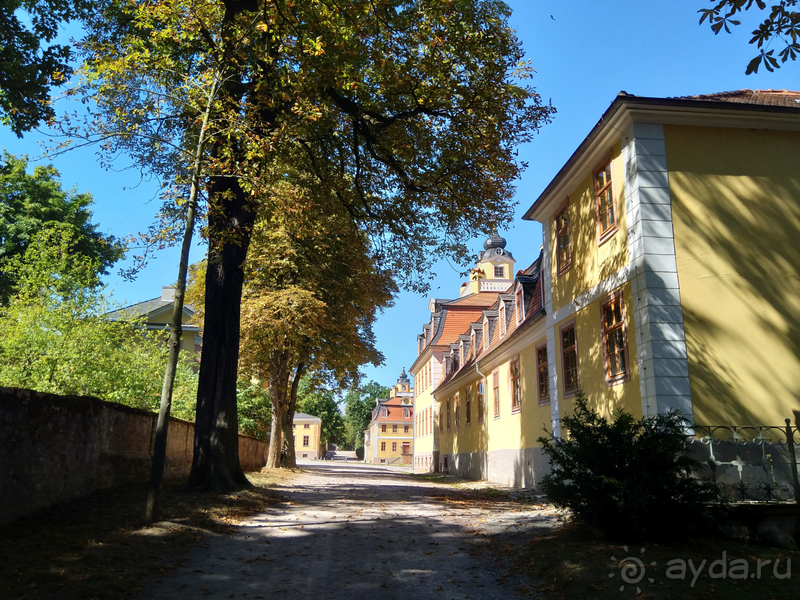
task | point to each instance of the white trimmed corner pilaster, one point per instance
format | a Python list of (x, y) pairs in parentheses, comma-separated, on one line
[(547, 286), (657, 313)]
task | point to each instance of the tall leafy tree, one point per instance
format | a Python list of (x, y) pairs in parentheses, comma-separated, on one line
[(54, 336), (312, 293), (403, 113), (780, 24), (31, 203)]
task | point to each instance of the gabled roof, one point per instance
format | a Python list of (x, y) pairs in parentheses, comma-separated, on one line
[(534, 311), (298, 416), (482, 299), (148, 308)]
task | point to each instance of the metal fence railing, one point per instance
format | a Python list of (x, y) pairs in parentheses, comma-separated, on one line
[(750, 463)]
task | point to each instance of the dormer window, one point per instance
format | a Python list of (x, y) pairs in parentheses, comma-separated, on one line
[(461, 352), (472, 346), (455, 360), (502, 318), (519, 300), (384, 412), (485, 333)]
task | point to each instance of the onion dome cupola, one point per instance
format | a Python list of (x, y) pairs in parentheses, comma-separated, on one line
[(403, 377), (495, 245)]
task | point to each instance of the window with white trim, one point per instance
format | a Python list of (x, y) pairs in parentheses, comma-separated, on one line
[(519, 308)]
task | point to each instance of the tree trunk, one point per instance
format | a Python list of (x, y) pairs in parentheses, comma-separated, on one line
[(176, 330), (278, 382), (289, 460), (231, 216), (216, 438), (290, 456)]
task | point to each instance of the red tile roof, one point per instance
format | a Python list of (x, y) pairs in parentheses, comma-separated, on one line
[(762, 97), (456, 322), (482, 299)]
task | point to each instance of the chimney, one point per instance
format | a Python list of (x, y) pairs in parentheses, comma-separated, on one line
[(167, 293)]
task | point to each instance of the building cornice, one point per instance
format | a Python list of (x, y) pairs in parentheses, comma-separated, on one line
[(626, 110), (423, 357)]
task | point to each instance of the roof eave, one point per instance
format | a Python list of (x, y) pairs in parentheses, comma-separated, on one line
[(626, 110)]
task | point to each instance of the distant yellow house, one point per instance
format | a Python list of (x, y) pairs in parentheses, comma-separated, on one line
[(389, 439), (308, 441), (669, 279), (157, 316)]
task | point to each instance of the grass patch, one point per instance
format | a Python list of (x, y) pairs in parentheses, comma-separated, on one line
[(567, 563), (98, 546)]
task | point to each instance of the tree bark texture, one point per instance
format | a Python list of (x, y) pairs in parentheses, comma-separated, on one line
[(216, 440), (278, 383)]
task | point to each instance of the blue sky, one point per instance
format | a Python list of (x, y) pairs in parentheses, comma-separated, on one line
[(584, 52)]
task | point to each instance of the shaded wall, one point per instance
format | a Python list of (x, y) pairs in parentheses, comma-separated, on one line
[(56, 448), (736, 217)]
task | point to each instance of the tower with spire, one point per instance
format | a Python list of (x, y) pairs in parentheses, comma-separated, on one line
[(403, 388), (494, 269)]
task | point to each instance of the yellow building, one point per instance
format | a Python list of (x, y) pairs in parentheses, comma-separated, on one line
[(157, 317), (390, 436), (671, 266), (449, 320), (308, 442), (488, 406)]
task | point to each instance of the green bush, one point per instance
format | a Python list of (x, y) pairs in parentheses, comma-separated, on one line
[(55, 338), (626, 477)]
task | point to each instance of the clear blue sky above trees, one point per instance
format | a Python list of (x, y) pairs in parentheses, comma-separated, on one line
[(585, 52)]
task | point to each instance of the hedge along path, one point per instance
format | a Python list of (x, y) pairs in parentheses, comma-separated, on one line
[(359, 531)]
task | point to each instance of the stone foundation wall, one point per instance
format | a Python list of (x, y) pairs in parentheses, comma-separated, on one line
[(56, 448), (522, 468)]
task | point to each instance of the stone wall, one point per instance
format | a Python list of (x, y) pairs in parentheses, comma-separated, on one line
[(56, 448)]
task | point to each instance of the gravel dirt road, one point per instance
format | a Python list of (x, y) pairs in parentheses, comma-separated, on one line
[(359, 531)]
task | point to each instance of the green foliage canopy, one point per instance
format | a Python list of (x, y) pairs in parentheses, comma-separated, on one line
[(29, 64), (255, 408), (358, 405), (781, 23), (54, 336), (31, 203)]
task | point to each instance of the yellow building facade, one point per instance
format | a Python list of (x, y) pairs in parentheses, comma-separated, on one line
[(389, 439), (488, 402), (308, 443), (669, 279), (670, 246)]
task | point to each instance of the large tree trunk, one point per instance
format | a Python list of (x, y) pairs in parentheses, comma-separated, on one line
[(289, 460), (230, 221), (216, 438)]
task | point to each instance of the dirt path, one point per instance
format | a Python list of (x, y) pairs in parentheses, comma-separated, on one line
[(357, 531)]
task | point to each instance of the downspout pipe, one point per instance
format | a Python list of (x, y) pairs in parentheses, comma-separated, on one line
[(485, 426)]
